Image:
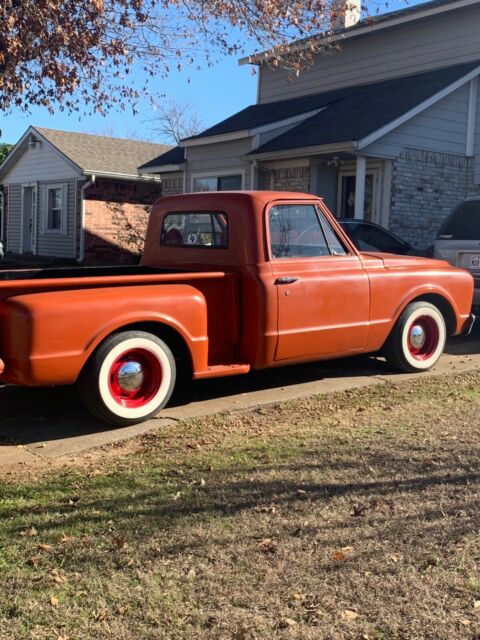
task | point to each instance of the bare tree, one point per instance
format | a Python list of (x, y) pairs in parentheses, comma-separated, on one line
[(90, 55), (176, 120)]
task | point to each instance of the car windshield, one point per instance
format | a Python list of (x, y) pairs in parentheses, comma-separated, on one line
[(463, 223)]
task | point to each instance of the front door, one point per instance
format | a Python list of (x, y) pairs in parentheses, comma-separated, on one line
[(322, 288), (28, 219)]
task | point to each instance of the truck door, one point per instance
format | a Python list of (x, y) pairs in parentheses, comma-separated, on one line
[(323, 291)]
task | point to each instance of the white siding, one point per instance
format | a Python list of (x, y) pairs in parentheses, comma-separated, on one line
[(14, 218), (215, 159), (40, 163), (442, 127), (433, 43)]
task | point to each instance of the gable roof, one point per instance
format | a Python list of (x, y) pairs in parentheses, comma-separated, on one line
[(174, 156), (91, 154), (347, 114), (373, 23), (102, 154)]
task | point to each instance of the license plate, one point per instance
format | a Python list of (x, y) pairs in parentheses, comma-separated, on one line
[(475, 261)]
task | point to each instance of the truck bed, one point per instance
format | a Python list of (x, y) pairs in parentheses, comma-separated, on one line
[(30, 281)]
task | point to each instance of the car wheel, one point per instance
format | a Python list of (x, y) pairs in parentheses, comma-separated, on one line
[(418, 338), (129, 378)]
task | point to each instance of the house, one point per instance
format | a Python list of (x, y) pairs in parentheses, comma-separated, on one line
[(62, 193), (385, 127)]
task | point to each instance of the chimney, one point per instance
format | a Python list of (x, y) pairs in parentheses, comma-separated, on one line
[(347, 13)]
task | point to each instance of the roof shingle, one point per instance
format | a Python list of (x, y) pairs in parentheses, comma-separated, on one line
[(102, 154)]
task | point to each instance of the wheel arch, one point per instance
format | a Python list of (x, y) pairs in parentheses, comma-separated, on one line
[(443, 305), (170, 335)]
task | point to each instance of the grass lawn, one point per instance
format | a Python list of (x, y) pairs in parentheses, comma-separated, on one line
[(348, 516)]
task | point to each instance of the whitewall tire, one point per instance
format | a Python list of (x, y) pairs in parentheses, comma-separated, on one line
[(418, 338), (129, 379)]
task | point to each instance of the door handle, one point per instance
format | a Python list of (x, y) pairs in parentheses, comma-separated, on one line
[(285, 280)]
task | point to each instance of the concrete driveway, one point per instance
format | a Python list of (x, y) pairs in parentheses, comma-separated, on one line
[(50, 424)]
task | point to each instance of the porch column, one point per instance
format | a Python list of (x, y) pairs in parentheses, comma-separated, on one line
[(360, 187)]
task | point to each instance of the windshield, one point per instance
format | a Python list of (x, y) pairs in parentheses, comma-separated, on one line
[(463, 223)]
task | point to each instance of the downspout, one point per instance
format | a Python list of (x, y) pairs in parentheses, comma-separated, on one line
[(83, 188)]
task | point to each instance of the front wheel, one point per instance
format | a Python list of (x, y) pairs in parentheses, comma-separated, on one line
[(418, 338), (129, 378)]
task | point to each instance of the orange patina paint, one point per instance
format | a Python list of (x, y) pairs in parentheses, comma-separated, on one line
[(260, 287)]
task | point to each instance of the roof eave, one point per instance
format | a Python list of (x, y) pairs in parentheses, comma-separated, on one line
[(121, 176), (337, 147), (353, 32), (165, 168)]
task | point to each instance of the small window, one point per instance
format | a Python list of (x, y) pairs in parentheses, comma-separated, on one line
[(192, 229), (295, 232), (218, 183), (337, 248), (54, 217)]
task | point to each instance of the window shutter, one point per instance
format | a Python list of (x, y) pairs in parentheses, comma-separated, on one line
[(43, 209), (64, 209)]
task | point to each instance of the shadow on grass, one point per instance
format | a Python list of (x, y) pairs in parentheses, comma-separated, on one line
[(152, 503)]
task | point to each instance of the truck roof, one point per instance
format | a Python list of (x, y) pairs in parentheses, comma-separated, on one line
[(263, 197)]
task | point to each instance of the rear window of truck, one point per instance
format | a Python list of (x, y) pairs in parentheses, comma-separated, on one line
[(195, 229)]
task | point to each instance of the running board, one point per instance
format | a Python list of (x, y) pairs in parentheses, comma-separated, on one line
[(222, 371)]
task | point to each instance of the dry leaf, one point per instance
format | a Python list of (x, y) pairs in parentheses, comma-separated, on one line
[(62, 637), (36, 560), (338, 556), (299, 597), (29, 533), (267, 545), (66, 538), (100, 614), (54, 601), (349, 614), (476, 604), (466, 622), (44, 547)]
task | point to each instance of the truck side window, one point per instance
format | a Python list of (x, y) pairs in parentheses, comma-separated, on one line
[(337, 248), (195, 229), (295, 232)]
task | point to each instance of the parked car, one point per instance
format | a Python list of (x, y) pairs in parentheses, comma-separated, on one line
[(458, 241), (229, 282), (368, 236)]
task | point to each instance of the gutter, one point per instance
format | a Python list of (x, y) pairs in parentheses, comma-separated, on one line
[(121, 176), (83, 188)]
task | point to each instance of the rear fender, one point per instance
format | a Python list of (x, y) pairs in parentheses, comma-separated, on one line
[(48, 337)]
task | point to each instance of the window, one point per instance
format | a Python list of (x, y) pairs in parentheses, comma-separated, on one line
[(54, 214), (463, 223), (301, 231), (195, 229), (54, 208), (218, 183)]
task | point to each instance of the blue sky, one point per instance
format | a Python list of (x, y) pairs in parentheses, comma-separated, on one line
[(216, 93)]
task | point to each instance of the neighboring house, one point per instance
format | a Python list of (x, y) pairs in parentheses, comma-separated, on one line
[(385, 128), (61, 192)]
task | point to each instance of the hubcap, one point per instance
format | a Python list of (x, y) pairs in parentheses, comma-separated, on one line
[(417, 336), (130, 376), (135, 378), (423, 337)]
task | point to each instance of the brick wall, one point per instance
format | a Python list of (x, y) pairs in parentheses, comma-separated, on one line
[(116, 215), (172, 185), (293, 179), (426, 186)]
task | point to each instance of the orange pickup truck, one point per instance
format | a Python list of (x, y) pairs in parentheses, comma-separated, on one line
[(229, 282)]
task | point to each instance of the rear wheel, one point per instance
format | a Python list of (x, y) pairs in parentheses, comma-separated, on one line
[(129, 379), (418, 338)]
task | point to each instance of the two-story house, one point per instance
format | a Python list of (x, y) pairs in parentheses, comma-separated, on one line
[(386, 127)]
